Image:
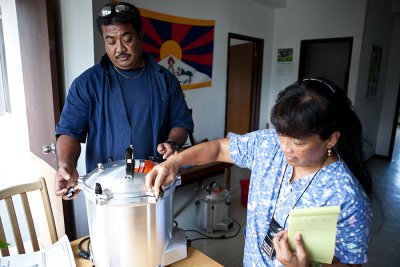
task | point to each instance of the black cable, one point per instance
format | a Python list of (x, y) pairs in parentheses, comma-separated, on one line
[(213, 237), (82, 253), (88, 247), (85, 254)]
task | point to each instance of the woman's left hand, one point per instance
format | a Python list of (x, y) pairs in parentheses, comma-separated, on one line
[(285, 255)]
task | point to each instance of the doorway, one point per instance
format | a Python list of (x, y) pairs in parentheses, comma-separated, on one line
[(243, 89), (395, 128), (328, 58)]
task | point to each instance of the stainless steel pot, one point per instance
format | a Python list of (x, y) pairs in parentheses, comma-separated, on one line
[(212, 205), (128, 225)]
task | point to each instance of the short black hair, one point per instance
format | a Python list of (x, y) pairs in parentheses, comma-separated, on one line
[(309, 107), (127, 17), (317, 106)]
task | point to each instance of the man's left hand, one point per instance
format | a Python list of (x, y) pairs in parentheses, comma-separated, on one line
[(166, 150)]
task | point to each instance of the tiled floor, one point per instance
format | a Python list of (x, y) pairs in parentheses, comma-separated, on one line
[(384, 247), (228, 251), (385, 241)]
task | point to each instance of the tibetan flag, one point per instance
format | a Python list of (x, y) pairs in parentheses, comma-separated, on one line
[(182, 45)]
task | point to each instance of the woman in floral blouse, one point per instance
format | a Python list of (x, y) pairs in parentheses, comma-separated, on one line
[(312, 158)]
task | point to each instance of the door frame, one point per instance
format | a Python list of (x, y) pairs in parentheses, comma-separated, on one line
[(394, 127), (44, 15), (303, 54), (256, 79)]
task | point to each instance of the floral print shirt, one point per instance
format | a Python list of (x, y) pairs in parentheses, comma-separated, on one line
[(333, 185)]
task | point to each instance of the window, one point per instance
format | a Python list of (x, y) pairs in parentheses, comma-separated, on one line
[(5, 105)]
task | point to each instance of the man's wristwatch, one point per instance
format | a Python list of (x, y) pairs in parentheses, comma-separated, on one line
[(174, 145)]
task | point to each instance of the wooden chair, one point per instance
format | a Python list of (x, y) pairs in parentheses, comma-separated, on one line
[(6, 195)]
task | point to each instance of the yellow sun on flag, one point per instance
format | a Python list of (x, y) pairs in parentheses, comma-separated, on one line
[(170, 47)]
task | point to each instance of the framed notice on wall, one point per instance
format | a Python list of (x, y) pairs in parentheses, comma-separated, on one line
[(373, 73), (285, 61)]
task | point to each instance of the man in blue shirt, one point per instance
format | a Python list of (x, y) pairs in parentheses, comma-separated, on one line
[(125, 99)]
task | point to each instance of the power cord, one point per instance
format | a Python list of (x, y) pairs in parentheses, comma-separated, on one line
[(84, 253), (212, 237)]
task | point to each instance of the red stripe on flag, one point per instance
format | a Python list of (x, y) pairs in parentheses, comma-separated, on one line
[(150, 49), (179, 31), (151, 31), (205, 39)]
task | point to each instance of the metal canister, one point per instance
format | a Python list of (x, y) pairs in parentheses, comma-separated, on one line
[(128, 225), (212, 205)]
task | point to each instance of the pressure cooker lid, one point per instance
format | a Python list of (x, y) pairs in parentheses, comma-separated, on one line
[(112, 177), (110, 181), (214, 194)]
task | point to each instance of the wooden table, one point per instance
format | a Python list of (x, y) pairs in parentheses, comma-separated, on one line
[(195, 258)]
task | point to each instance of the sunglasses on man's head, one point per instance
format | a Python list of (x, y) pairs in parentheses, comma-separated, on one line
[(118, 9)]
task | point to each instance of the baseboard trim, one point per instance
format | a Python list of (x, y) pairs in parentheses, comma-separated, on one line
[(376, 156)]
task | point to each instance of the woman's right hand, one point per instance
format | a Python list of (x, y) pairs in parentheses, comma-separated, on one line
[(162, 174)]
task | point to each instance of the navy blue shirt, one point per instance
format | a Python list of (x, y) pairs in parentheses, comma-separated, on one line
[(95, 112), (137, 99)]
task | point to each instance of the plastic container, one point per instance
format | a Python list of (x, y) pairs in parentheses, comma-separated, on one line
[(244, 185)]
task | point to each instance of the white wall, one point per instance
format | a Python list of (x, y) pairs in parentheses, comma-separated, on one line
[(78, 47), (14, 143), (315, 19), (280, 28), (376, 112), (206, 103), (249, 18), (368, 22), (392, 84), (77, 38)]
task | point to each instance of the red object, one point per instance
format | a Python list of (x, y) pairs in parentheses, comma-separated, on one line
[(244, 184)]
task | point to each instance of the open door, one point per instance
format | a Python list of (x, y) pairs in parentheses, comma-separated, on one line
[(37, 33), (243, 91), (39, 67)]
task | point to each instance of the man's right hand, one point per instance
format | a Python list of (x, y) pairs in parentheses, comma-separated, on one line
[(68, 150), (66, 178)]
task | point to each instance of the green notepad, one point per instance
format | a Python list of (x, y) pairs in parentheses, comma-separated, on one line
[(317, 227)]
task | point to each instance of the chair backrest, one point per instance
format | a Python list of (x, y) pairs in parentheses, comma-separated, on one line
[(21, 190)]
